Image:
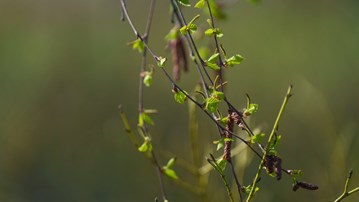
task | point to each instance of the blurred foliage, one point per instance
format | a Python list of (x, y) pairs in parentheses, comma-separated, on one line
[(65, 67)]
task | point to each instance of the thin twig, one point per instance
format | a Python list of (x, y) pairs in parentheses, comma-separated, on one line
[(347, 193), (270, 139)]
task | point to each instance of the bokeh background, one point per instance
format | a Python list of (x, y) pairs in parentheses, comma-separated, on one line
[(65, 67)]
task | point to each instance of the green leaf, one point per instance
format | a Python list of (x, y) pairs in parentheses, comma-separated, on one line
[(190, 27), (161, 61), (170, 173), (213, 66), (247, 189), (146, 146), (218, 95), (234, 60), (221, 163), (145, 118), (212, 104), (209, 32), (213, 58), (138, 45), (180, 97), (219, 143), (147, 80), (200, 4), (184, 3), (223, 121), (257, 138), (253, 108), (170, 163)]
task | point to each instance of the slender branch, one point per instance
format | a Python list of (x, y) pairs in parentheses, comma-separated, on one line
[(347, 193), (237, 182), (270, 139)]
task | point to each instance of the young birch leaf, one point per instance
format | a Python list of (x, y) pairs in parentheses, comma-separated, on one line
[(257, 138), (161, 61), (184, 3), (212, 104), (247, 189), (213, 58), (170, 173), (170, 163), (253, 108), (213, 66), (146, 118), (200, 4), (219, 143), (209, 32), (218, 95), (221, 164), (138, 45), (146, 146), (147, 80), (180, 97), (234, 60)]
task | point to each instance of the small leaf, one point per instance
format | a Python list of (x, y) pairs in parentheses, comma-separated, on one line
[(171, 163), (219, 143), (247, 189), (161, 61), (192, 28), (221, 164), (184, 3), (170, 173), (138, 45), (209, 32), (223, 121), (213, 66), (253, 108), (213, 58), (218, 95), (257, 138), (147, 80), (146, 118), (212, 104), (183, 30), (234, 60), (180, 97), (200, 4), (146, 146)]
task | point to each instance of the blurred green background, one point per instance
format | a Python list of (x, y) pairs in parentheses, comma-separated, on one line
[(65, 67)]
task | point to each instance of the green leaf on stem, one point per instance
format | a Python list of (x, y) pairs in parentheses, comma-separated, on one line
[(218, 95), (212, 104), (161, 61), (147, 80), (213, 31), (170, 173), (214, 58), (247, 189), (146, 146), (144, 118), (170, 163), (180, 97), (190, 27), (253, 108), (213, 66), (234, 60), (257, 138), (221, 163), (200, 4), (138, 45), (184, 2)]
